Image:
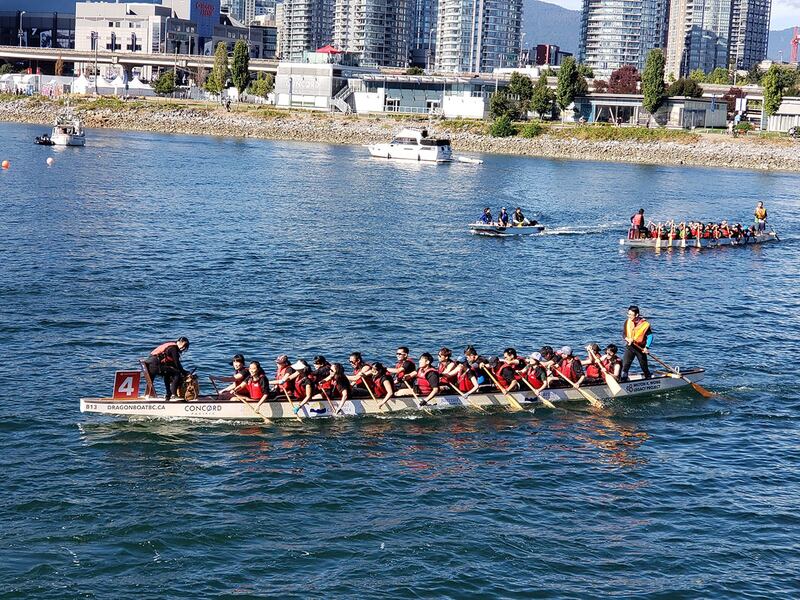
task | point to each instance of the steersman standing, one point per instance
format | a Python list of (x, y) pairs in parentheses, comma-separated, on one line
[(638, 337)]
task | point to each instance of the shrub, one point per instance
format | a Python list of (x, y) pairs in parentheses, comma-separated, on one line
[(502, 127), (744, 126), (532, 129)]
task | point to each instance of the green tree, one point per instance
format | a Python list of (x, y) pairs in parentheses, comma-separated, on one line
[(774, 86), (754, 75), (542, 98), (218, 78), (653, 81), (697, 75), (586, 71), (685, 87), (719, 76), (6, 68), (548, 72), (415, 71), (165, 84), (502, 127), (570, 83), (240, 70), (262, 86), (500, 104)]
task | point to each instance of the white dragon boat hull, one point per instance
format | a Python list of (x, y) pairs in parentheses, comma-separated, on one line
[(208, 407), (497, 230), (701, 243)]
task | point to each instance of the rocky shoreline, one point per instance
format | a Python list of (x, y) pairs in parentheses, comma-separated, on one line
[(708, 150)]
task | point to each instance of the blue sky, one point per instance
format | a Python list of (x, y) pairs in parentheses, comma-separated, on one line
[(785, 13)]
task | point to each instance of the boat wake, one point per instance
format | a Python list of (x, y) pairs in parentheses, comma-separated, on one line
[(583, 229)]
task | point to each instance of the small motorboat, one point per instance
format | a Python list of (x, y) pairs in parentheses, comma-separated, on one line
[(414, 144), (44, 140), (499, 230)]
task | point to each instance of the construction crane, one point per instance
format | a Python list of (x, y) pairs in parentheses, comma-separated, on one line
[(795, 44)]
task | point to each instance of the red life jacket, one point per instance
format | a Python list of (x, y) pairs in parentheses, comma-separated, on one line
[(569, 369), (465, 381), (593, 371), (533, 377), (254, 389), (160, 353), (445, 379), (280, 373), (378, 388), (637, 220), (498, 374), (422, 382), (610, 364), (362, 380), (299, 387)]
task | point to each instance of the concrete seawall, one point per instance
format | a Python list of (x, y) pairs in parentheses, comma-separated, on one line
[(708, 150)]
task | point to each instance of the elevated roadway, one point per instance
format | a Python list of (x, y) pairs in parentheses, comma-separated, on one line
[(128, 59)]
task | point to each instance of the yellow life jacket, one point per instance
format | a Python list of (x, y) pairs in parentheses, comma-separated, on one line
[(761, 213), (637, 331)]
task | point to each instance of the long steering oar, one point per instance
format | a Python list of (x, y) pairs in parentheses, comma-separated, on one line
[(611, 381), (514, 402), (289, 398), (594, 401), (416, 398), (541, 398), (250, 406), (465, 398), (698, 388)]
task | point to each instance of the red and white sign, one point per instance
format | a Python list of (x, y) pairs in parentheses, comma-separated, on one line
[(126, 385)]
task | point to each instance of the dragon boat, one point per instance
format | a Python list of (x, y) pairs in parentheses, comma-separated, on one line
[(212, 408), (660, 244), (500, 231)]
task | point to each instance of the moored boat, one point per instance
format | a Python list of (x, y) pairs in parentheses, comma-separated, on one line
[(67, 131), (655, 243), (414, 144), (209, 407), (499, 230)]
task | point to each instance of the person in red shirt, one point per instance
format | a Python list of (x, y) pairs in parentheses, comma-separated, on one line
[(256, 386)]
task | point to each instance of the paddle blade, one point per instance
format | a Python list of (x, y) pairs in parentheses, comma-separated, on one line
[(702, 391), (613, 384)]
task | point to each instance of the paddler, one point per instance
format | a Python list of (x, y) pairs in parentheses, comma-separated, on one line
[(240, 374), (447, 366), (283, 375), (403, 367), (569, 366), (466, 382), (339, 383), (486, 217), (165, 360), (256, 386), (427, 378), (638, 337), (303, 387), (535, 373), (360, 377), (760, 215), (474, 361), (382, 384), (593, 374), (612, 362), (505, 371)]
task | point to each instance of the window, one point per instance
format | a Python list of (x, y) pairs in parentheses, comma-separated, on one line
[(111, 23)]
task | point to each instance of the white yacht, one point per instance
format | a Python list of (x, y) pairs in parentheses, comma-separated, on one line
[(414, 144), (68, 131)]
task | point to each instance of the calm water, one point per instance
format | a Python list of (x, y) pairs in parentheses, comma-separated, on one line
[(260, 248)]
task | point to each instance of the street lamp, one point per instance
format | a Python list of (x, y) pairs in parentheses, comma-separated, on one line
[(21, 32), (95, 43), (166, 34)]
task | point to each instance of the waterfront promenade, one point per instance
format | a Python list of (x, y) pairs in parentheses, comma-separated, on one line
[(667, 147)]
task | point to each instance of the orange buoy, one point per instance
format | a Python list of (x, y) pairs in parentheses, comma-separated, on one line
[(5, 164)]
